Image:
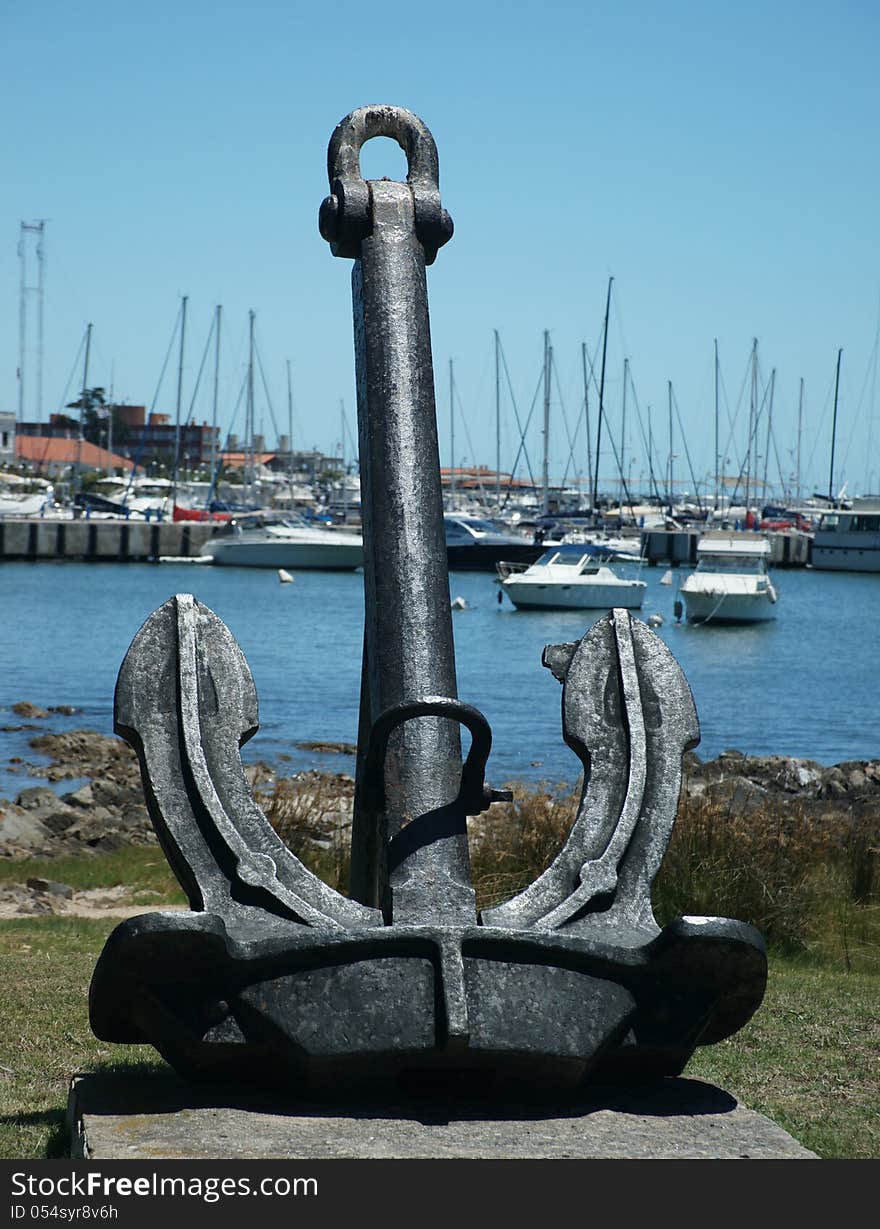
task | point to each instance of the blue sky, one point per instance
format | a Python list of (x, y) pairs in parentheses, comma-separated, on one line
[(720, 161)]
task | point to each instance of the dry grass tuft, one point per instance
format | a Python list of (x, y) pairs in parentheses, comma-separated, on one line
[(807, 875), (312, 815)]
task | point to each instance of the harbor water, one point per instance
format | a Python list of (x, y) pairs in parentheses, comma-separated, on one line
[(805, 684)]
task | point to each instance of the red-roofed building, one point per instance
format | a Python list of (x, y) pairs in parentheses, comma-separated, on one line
[(54, 456)]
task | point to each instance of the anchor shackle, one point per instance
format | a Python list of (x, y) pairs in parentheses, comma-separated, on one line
[(345, 215)]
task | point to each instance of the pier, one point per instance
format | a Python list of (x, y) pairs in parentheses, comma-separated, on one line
[(95, 541), (679, 547), (122, 541)]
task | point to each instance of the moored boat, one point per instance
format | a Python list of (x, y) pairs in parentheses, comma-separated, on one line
[(284, 542), (572, 577), (730, 583), (476, 544), (849, 540)]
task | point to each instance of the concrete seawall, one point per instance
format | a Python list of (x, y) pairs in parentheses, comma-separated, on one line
[(679, 546), (121, 541), (99, 540)]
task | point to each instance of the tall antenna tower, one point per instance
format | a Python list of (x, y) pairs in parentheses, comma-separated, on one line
[(31, 249)]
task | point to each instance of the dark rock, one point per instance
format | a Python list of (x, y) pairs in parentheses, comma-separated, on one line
[(857, 780), (330, 748), (50, 887), (82, 797), (60, 820), (742, 796), (834, 787), (66, 710), (22, 833), (24, 708), (36, 796), (108, 842), (108, 793)]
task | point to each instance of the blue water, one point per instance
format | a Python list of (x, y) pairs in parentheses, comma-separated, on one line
[(806, 684)]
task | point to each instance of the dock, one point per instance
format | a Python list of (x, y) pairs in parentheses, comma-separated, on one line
[(95, 541), (678, 547), (125, 541)]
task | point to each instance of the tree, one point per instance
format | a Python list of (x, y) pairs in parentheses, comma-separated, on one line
[(94, 412)]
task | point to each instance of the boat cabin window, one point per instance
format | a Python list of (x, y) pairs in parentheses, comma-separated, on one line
[(739, 564), (465, 529), (571, 553), (867, 524)]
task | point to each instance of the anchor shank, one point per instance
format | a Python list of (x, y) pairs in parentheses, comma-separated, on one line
[(408, 643)]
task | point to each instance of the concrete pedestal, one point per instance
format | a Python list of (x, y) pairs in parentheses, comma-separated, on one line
[(118, 1117)]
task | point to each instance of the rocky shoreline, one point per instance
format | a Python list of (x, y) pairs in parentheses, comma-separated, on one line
[(108, 811)]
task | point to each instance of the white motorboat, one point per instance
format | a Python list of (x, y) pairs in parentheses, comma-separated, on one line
[(15, 502), (572, 577), (730, 583), (288, 542), (476, 543), (849, 541)]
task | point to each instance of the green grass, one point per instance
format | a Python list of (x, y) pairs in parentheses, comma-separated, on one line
[(47, 965), (141, 868), (807, 1059)]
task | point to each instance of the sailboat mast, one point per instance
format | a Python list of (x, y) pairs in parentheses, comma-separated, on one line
[(290, 432), (671, 505), (716, 424), (249, 417), (179, 393), (82, 404), (753, 398), (623, 485), (217, 320), (834, 429), (452, 431), (344, 465), (587, 417), (653, 481), (497, 423), (602, 386), (800, 424), (545, 466), (769, 431)]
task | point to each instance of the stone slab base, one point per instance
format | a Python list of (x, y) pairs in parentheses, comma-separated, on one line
[(151, 1117)]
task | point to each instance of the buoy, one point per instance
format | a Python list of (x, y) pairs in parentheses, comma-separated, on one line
[(666, 578), (285, 577), (458, 603), (655, 620), (678, 608)]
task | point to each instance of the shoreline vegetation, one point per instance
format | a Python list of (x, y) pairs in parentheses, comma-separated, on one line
[(790, 846)]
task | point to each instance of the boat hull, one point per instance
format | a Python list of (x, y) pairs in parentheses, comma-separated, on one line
[(482, 557), (527, 595), (860, 556), (309, 556), (728, 607)]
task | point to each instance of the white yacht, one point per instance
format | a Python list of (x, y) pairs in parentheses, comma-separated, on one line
[(572, 577), (477, 543), (730, 583), (284, 542), (13, 502), (849, 541)]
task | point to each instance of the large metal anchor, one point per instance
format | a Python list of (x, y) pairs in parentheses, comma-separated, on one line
[(275, 974)]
